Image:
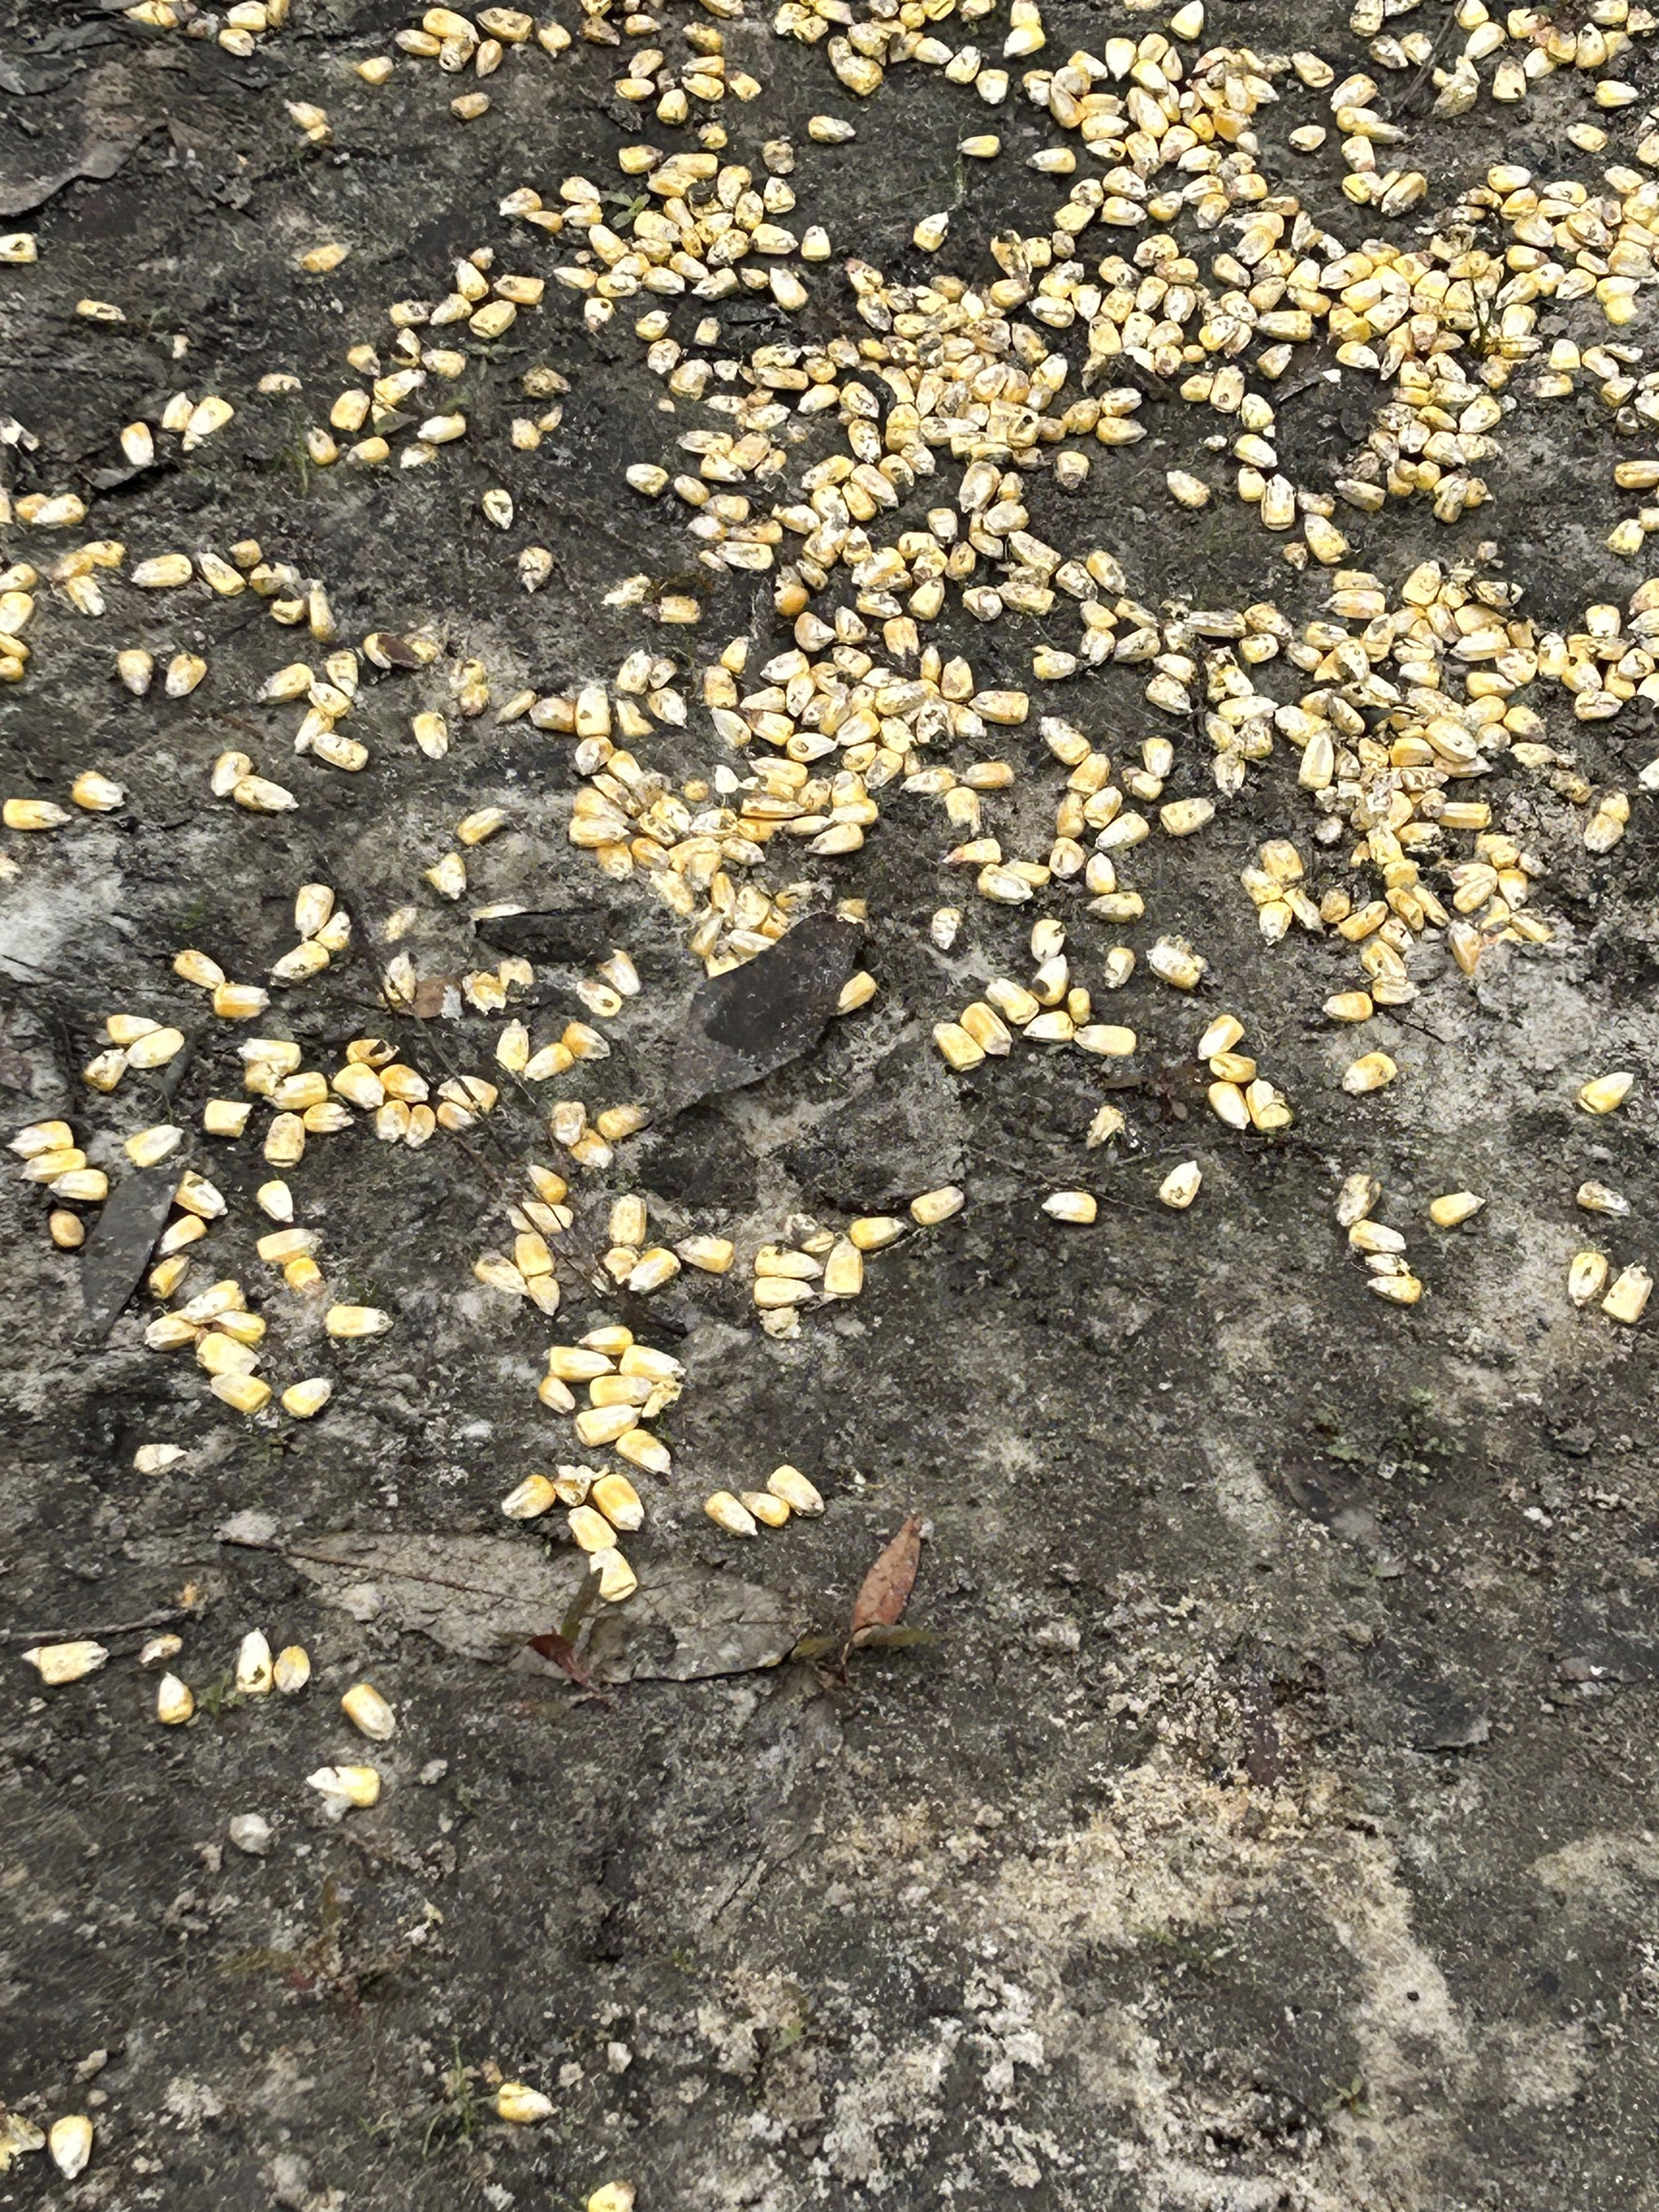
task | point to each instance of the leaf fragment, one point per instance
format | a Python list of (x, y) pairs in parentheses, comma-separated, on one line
[(118, 1249), (482, 1596), (885, 1590)]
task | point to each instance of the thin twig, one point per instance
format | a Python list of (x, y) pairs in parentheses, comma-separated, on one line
[(111, 1628), (1409, 94)]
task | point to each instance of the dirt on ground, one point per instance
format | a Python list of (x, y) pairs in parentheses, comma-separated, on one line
[(1268, 1818)]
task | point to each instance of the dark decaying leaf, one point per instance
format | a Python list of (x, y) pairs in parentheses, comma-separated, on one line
[(99, 161), (559, 936), (12, 80), (112, 478), (755, 1019), (75, 38), (117, 1251), (483, 1596), (685, 1623), (1613, 1632), (1410, 1697), (392, 651), (886, 1588)]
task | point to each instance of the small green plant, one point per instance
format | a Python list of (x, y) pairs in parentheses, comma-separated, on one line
[(328, 1964), (457, 2117), (1349, 2099), (220, 1697)]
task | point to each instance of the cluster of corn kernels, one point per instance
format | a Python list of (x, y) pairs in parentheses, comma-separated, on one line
[(464, 45), (240, 30), (819, 1266), (948, 369), (745, 1513), (1384, 1248), (626, 1384)]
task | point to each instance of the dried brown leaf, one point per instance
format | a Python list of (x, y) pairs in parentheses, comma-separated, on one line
[(436, 997), (886, 1588)]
